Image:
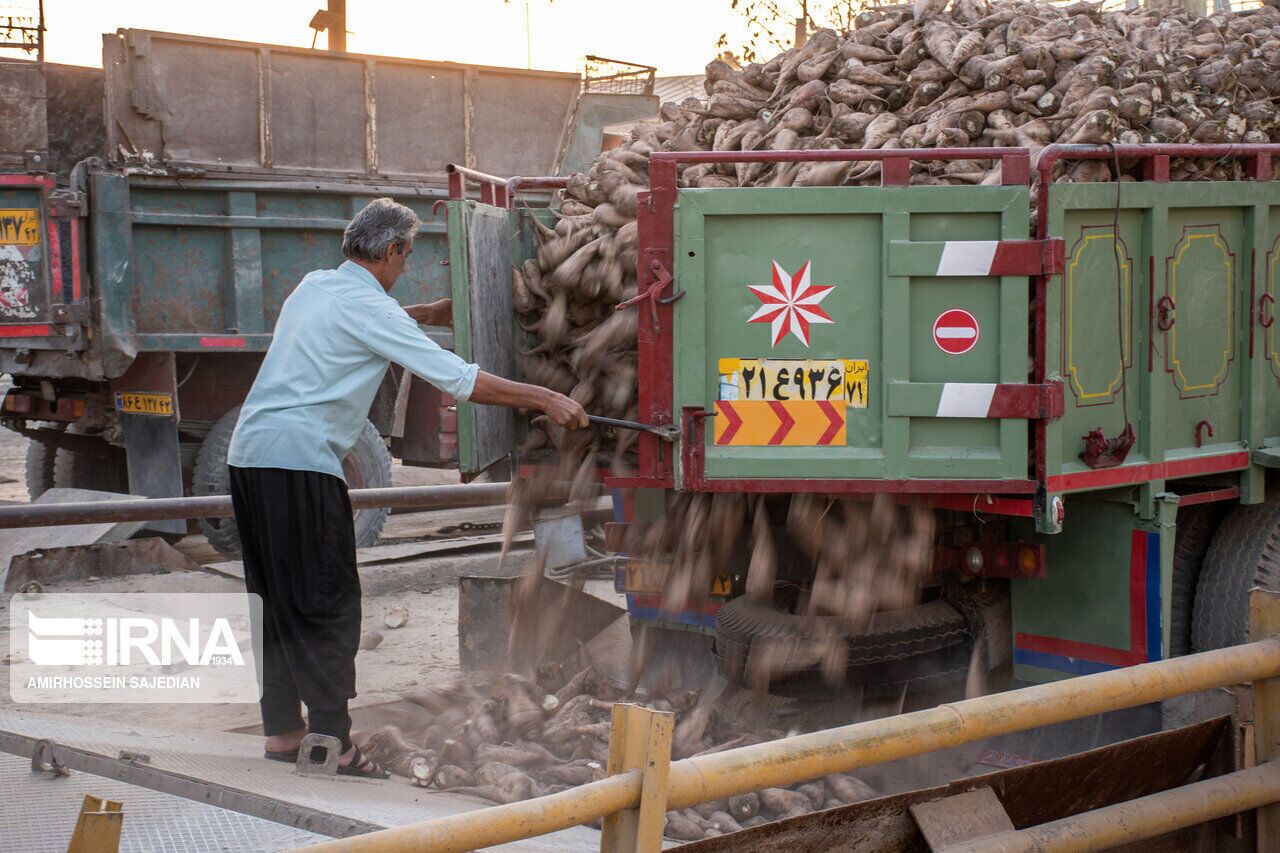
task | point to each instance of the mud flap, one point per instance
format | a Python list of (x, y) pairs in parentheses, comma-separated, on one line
[(146, 399)]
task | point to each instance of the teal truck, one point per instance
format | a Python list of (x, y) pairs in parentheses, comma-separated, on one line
[(1087, 397), (155, 214)]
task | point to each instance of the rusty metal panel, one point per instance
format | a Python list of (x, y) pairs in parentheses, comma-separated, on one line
[(519, 122), (425, 139), (22, 113), (487, 620), (303, 112), (99, 560), (316, 117), (76, 127), (1031, 795)]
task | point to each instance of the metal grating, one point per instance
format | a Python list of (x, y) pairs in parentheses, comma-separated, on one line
[(228, 768), (617, 77), (39, 814)]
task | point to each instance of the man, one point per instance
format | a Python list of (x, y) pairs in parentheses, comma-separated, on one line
[(336, 334)]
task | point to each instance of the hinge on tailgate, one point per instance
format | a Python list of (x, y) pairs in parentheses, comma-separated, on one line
[(1053, 256), (66, 204)]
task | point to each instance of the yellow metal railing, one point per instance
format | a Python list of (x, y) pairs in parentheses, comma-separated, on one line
[(645, 784)]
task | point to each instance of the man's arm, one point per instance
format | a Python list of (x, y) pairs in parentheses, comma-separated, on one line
[(496, 391), (397, 337)]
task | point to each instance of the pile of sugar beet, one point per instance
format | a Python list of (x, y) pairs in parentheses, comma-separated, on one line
[(509, 740), (936, 74)]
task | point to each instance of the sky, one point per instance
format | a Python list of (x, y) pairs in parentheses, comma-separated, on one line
[(677, 36)]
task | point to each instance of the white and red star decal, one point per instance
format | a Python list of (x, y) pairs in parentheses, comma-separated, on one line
[(790, 303)]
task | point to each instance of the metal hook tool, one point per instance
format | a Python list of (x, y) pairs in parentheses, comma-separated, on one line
[(666, 432)]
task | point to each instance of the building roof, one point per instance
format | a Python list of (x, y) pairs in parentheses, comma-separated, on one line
[(680, 87)]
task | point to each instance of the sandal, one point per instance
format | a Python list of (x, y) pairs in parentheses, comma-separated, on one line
[(289, 756), (362, 767)]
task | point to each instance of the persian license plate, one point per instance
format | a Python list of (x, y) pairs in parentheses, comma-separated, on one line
[(790, 379), (131, 403), (646, 578), (19, 226)]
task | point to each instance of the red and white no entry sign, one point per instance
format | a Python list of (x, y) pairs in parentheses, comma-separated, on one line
[(955, 331)]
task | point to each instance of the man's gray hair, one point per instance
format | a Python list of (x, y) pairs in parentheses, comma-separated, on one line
[(381, 225)]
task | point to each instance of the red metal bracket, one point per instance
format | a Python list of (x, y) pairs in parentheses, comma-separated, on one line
[(1164, 313), (1045, 401), (1103, 452), (1200, 426), (1053, 257), (653, 293), (1266, 320), (1029, 257)]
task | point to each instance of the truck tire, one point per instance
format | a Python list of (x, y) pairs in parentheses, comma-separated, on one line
[(923, 647), (367, 466), (105, 472), (40, 459), (1196, 526), (1245, 553)]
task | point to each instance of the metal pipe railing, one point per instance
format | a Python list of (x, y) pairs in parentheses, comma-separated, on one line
[(501, 824), (808, 756), (219, 506), (797, 759), (1141, 819)]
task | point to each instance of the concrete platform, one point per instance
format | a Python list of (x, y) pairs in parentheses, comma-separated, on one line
[(228, 771)]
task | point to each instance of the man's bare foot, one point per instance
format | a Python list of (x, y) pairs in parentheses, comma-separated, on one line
[(287, 742)]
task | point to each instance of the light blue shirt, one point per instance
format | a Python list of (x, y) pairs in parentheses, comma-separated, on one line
[(336, 334)]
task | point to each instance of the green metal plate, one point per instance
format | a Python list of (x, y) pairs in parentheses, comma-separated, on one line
[(882, 309), (483, 244), (1201, 255)]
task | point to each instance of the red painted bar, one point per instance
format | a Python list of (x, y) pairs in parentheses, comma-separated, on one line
[(225, 342), (37, 331), (1028, 401), (1228, 494), (1125, 475)]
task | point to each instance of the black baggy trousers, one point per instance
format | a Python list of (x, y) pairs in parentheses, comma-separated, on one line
[(299, 551)]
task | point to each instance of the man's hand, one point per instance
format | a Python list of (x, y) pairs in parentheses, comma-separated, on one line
[(565, 411), (496, 391), (438, 313)]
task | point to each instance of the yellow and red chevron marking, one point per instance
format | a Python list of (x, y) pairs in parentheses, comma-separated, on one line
[(793, 423)]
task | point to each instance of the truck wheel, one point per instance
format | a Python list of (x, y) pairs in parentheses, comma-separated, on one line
[(1196, 526), (1245, 553), (105, 472), (367, 466), (917, 647), (40, 458)]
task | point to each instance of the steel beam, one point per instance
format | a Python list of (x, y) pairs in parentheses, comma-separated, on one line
[(1141, 819), (219, 506), (501, 824)]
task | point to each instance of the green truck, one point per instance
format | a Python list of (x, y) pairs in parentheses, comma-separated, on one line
[(155, 214), (1087, 397)]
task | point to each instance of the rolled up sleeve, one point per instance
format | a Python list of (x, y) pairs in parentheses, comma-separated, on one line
[(394, 335)]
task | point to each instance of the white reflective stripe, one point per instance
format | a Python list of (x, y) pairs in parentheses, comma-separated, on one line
[(967, 257), (957, 332), (966, 399)]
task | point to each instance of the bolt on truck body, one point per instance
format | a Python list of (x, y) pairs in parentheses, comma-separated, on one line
[(1088, 398)]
